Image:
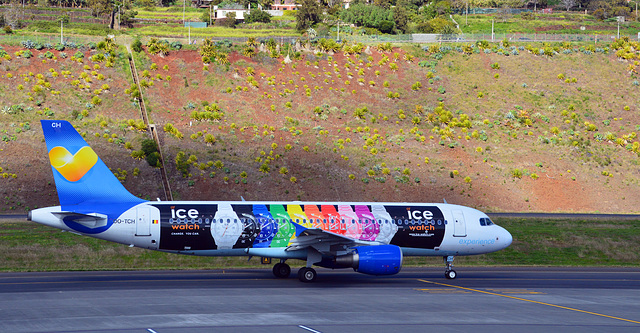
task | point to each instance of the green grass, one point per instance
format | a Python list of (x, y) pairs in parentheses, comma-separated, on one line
[(160, 14), (26, 246), (566, 243), (208, 32), (481, 24)]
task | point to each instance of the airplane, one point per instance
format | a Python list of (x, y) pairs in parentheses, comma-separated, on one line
[(370, 237)]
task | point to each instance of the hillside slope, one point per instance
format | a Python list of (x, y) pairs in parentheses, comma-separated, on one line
[(521, 132)]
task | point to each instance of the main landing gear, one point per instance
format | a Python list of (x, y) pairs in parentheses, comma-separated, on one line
[(281, 270), (305, 274), (449, 273)]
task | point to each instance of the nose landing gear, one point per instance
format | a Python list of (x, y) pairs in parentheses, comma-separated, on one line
[(449, 273)]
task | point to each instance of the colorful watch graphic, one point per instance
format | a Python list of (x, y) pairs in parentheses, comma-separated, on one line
[(388, 229), (286, 230), (318, 221), (333, 218), (268, 226), (370, 227), (350, 219), (298, 215), (250, 231), (226, 227)]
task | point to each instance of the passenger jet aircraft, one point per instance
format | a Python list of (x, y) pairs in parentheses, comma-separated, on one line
[(370, 237)]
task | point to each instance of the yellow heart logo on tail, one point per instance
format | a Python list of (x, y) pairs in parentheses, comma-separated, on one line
[(73, 167)]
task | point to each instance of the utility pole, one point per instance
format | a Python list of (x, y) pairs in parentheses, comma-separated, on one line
[(492, 30), (61, 38)]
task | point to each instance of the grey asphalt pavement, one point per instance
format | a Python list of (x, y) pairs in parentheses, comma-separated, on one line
[(252, 300)]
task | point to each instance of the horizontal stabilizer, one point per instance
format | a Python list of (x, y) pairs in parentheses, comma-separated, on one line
[(91, 220)]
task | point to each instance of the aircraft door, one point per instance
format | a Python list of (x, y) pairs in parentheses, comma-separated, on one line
[(143, 222), (459, 226)]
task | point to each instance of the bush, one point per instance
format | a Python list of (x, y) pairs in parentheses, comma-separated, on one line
[(136, 46), (176, 45), (229, 21), (257, 15), (527, 16), (386, 27), (156, 46)]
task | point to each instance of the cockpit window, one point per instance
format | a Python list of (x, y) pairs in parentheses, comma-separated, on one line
[(485, 221)]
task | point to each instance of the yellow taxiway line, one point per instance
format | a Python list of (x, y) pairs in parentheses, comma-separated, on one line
[(532, 301)]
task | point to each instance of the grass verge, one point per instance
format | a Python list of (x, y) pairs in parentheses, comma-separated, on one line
[(27, 246)]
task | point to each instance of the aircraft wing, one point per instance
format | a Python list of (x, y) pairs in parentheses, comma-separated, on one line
[(323, 241)]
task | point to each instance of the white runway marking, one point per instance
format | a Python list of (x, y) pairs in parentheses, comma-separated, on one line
[(308, 329)]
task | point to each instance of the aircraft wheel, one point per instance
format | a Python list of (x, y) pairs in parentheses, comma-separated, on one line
[(307, 274), (450, 274), (281, 270)]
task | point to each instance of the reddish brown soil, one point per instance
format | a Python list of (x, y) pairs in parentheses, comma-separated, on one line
[(321, 173)]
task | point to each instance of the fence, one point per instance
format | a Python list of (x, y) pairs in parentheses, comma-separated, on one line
[(513, 37), (31, 14), (415, 38), (49, 39), (472, 10)]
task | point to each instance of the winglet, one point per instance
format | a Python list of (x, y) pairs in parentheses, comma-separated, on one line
[(299, 228)]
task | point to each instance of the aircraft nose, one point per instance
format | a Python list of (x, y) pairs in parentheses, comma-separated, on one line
[(505, 238)]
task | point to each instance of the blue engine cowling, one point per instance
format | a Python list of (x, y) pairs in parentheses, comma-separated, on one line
[(373, 260)]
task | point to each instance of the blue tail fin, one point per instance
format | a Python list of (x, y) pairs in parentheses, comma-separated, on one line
[(83, 181)]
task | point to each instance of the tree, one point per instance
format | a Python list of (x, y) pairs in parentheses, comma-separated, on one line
[(567, 4), (401, 19), (110, 7), (257, 15), (309, 14), (147, 4), (386, 4), (366, 15), (100, 7), (386, 27), (126, 18), (230, 20), (513, 3)]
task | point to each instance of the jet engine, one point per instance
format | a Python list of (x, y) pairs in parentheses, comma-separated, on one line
[(373, 260)]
